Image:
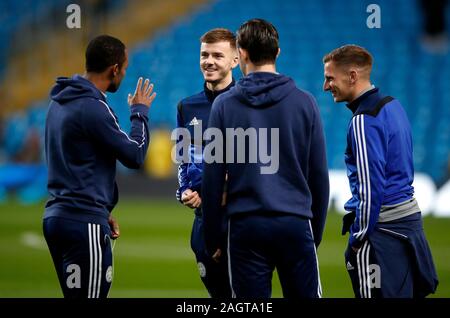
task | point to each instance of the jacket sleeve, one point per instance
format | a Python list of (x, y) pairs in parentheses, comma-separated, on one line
[(183, 180), (369, 146), (318, 179), (102, 125), (213, 181)]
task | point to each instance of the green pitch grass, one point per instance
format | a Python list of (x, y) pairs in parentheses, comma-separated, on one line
[(153, 257)]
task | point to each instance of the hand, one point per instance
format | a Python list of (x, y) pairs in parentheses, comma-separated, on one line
[(115, 232), (191, 199), (347, 222), (224, 194), (217, 255), (355, 249), (142, 95), (224, 199)]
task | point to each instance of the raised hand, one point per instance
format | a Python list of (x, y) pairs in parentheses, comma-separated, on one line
[(142, 94)]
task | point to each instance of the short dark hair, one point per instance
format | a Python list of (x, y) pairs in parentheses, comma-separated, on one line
[(260, 39), (104, 51), (348, 55), (219, 35)]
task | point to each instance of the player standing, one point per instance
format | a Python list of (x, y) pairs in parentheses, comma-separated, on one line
[(276, 219), (218, 57), (387, 253), (83, 140)]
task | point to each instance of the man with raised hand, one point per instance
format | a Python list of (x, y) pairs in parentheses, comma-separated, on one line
[(83, 141)]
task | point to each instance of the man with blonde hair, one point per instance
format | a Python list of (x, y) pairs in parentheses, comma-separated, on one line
[(218, 57), (387, 254)]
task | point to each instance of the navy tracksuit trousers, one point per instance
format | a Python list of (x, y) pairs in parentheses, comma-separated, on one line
[(213, 275), (82, 256), (260, 242), (395, 262)]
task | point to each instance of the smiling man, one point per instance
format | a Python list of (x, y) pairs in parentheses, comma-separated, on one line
[(387, 254), (275, 218), (218, 57)]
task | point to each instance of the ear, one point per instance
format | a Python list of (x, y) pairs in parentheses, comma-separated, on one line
[(278, 53), (115, 70), (235, 60), (243, 55), (353, 76)]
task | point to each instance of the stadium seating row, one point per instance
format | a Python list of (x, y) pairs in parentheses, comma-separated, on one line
[(308, 30)]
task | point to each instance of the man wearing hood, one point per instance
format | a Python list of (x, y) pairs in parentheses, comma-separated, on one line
[(83, 140), (275, 216)]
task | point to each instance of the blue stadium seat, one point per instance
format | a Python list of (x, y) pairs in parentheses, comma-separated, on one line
[(307, 31)]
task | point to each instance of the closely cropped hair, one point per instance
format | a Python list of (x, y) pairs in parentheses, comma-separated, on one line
[(260, 39), (104, 51), (350, 55), (219, 35)]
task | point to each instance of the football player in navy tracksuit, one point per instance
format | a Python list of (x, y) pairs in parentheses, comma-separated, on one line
[(387, 253), (276, 210), (83, 140), (218, 57)]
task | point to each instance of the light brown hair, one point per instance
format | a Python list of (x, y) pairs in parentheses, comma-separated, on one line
[(349, 55), (219, 35)]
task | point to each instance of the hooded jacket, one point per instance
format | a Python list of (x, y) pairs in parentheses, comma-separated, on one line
[(298, 184), (83, 140)]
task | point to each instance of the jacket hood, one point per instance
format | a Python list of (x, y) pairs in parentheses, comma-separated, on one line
[(67, 89), (262, 89)]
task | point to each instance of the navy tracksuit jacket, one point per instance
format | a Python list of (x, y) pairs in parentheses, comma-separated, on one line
[(275, 219), (83, 140), (385, 222), (193, 113)]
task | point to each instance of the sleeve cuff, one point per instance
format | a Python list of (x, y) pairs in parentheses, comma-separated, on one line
[(137, 109), (179, 193), (354, 242)]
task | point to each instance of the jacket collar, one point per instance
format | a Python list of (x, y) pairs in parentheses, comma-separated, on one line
[(353, 106), (211, 95)]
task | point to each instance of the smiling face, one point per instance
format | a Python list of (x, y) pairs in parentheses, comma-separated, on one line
[(338, 82), (216, 62)]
